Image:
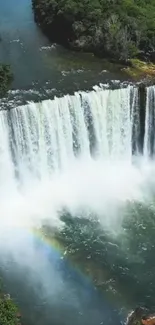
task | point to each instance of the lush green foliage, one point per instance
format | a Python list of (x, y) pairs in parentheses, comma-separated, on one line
[(6, 78), (8, 311), (115, 28)]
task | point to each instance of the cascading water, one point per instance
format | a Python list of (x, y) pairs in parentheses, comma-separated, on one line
[(41, 137), (149, 139), (75, 154), (69, 151)]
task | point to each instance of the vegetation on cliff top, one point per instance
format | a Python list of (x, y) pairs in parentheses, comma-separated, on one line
[(141, 70), (6, 78), (119, 29)]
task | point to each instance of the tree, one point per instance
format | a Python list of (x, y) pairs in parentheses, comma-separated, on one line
[(8, 311), (6, 78), (119, 29)]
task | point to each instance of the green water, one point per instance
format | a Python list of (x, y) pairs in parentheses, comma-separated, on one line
[(99, 270), (121, 263)]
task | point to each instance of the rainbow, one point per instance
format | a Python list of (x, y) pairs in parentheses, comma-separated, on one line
[(101, 306), (52, 246)]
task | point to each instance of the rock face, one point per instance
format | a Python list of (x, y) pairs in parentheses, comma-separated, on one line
[(140, 314), (118, 29), (134, 318)]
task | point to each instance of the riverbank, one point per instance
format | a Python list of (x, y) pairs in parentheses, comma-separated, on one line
[(141, 71), (120, 32)]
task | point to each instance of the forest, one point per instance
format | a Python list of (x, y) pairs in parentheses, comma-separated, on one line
[(116, 29)]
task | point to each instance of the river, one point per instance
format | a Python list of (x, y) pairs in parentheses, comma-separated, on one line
[(72, 156), (37, 64)]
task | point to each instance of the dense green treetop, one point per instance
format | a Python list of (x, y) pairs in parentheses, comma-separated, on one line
[(8, 311), (115, 28)]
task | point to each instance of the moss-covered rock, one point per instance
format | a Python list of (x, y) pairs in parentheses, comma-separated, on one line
[(139, 69)]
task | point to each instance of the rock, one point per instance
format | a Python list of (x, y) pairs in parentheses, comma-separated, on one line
[(139, 314), (134, 318)]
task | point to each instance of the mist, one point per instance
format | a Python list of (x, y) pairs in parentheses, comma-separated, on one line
[(98, 187)]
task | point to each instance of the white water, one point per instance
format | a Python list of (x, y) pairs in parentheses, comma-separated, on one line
[(149, 122), (73, 152), (44, 136)]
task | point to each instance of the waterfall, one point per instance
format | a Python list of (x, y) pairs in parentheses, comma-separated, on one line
[(149, 138), (75, 152), (41, 137)]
